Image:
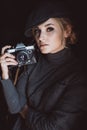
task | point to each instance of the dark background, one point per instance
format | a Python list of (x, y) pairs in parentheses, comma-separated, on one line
[(13, 16)]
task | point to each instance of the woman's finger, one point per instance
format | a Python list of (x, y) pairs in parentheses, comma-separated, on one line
[(7, 55), (10, 60), (4, 48)]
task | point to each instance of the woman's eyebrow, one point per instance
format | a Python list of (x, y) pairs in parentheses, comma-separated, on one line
[(48, 24)]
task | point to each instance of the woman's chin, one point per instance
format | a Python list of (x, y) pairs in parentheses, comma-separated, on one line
[(44, 50)]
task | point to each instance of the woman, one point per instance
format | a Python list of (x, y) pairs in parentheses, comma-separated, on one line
[(51, 94)]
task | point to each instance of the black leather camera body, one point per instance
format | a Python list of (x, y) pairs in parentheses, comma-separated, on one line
[(24, 54)]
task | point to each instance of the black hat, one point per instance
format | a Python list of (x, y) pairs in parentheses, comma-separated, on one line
[(44, 11)]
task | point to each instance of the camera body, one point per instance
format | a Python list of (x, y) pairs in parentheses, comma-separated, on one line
[(24, 54)]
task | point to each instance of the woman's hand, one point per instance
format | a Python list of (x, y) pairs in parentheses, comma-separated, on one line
[(6, 59)]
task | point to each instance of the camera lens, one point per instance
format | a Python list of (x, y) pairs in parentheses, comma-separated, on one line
[(22, 57)]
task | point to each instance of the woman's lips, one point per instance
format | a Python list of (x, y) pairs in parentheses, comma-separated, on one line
[(43, 45)]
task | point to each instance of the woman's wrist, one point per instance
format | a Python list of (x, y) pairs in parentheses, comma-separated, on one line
[(5, 76)]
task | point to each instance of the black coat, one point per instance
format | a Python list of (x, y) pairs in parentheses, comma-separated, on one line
[(55, 91)]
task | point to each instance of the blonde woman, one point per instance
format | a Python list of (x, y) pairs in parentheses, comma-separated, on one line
[(54, 95)]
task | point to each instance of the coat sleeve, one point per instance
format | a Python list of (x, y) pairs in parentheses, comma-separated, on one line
[(69, 113), (15, 96)]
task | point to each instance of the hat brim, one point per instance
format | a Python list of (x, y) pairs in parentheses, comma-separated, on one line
[(28, 32)]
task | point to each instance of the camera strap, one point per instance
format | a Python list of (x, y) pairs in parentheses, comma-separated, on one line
[(16, 75), (18, 72)]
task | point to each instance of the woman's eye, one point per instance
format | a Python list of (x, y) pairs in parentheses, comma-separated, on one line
[(49, 29), (36, 32)]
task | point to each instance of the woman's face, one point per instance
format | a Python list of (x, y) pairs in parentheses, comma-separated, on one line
[(50, 36)]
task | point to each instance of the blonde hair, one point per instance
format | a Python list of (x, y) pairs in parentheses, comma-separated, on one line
[(65, 24)]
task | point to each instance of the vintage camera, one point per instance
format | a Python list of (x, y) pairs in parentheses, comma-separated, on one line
[(24, 54)]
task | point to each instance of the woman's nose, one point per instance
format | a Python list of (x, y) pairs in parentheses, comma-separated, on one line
[(42, 36)]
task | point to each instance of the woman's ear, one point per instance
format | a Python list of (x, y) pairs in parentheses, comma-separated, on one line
[(67, 31)]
